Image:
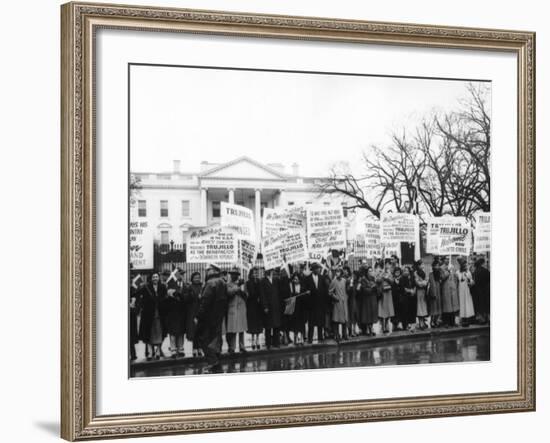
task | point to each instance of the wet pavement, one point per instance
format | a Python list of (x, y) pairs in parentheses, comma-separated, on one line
[(466, 346)]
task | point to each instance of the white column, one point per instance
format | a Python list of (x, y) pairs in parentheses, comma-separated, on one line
[(204, 206), (258, 213), (282, 197), (231, 193)]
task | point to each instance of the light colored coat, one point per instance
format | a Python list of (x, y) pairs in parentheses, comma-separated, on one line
[(236, 309), (337, 291)]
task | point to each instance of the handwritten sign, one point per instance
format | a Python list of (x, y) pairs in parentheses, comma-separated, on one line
[(482, 232), (367, 244), (455, 239), (325, 230), (433, 228), (283, 219), (213, 244), (239, 219), (284, 247), (141, 245), (247, 254), (399, 227)]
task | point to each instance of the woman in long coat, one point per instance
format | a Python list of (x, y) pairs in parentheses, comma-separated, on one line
[(465, 280), (421, 284), (174, 314), (407, 299), (353, 308), (191, 302), (284, 291), (367, 292), (448, 295), (395, 294), (434, 294), (151, 328), (339, 297), (385, 302), (236, 312), (481, 291), (296, 316), (254, 307)]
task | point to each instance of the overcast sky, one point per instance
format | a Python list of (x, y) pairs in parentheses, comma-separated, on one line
[(312, 119)]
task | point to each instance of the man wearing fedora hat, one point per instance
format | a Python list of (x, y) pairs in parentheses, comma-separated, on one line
[(236, 323), (212, 309)]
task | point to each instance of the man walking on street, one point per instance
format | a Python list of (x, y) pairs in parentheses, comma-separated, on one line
[(209, 319)]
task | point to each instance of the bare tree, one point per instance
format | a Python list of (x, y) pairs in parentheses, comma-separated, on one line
[(444, 163)]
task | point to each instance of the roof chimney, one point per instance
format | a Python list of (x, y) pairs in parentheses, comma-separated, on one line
[(177, 164), (295, 169), (204, 165)]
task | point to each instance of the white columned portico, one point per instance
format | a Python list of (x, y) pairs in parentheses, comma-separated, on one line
[(231, 193), (258, 212), (204, 206)]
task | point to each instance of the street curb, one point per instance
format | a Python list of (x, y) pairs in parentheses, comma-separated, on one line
[(377, 340)]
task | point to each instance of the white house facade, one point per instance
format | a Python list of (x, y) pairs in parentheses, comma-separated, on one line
[(173, 202)]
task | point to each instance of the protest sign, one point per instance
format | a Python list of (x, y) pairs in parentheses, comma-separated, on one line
[(433, 229), (482, 232), (392, 248), (239, 219), (367, 244), (325, 230), (141, 245), (399, 227), (455, 239), (283, 219), (284, 247), (213, 244), (247, 254)]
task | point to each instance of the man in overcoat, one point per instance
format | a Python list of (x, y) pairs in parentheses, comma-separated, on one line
[(272, 305), (212, 310), (318, 303)]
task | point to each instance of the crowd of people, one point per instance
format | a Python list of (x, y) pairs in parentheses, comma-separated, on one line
[(295, 305)]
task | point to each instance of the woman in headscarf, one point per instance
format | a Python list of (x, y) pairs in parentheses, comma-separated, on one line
[(465, 281), (421, 284)]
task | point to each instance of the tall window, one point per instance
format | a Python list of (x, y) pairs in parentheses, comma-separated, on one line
[(264, 205), (185, 211), (164, 208), (216, 209), (142, 208), (164, 237)]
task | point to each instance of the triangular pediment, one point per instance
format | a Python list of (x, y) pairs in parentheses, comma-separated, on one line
[(243, 167)]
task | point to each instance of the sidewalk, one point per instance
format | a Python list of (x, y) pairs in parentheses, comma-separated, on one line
[(397, 336)]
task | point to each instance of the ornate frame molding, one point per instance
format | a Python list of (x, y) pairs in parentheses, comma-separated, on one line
[(79, 420)]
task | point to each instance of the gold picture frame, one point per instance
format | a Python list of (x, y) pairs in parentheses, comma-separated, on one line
[(79, 22)]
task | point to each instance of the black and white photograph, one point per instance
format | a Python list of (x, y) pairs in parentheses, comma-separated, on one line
[(297, 220)]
